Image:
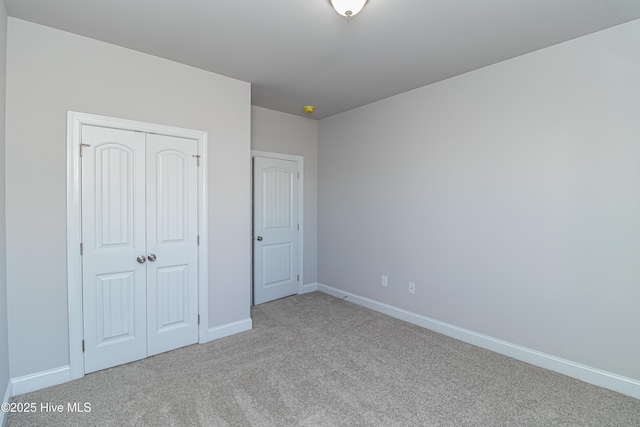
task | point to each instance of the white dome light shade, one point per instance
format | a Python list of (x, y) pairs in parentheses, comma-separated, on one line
[(348, 8)]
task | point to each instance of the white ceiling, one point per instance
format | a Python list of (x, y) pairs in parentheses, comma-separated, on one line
[(299, 52)]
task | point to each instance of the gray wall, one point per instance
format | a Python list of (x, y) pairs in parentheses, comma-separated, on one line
[(50, 72), (285, 133), (510, 195), (4, 330)]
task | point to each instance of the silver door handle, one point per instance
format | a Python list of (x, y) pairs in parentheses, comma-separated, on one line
[(141, 259), (259, 238), (151, 257)]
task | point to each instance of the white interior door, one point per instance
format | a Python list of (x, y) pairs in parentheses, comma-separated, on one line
[(113, 223), (275, 243), (139, 227), (172, 222)]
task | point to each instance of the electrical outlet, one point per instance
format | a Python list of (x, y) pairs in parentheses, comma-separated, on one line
[(412, 288), (384, 281)]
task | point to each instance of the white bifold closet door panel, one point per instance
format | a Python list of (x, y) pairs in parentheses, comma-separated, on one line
[(139, 232), (172, 221), (114, 284)]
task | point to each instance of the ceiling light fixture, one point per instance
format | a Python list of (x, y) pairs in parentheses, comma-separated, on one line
[(348, 8)]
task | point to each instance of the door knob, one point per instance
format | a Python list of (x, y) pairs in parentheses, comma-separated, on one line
[(259, 238), (141, 259), (151, 257)]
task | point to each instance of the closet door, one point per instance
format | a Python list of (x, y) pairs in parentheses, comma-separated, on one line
[(113, 232), (140, 242), (172, 247)]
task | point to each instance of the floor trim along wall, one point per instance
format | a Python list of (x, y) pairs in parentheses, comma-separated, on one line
[(7, 398), (229, 329), (309, 287), (584, 373), (39, 380)]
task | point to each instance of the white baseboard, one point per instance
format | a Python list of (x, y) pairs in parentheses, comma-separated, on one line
[(584, 373), (41, 380), (310, 287), (7, 398), (228, 329)]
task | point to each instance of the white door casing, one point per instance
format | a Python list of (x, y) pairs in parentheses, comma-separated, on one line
[(276, 227), (172, 279), (75, 245)]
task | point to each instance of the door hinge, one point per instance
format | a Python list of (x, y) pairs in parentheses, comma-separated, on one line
[(198, 240), (197, 156), (83, 346), (198, 319), (80, 248), (83, 145), (298, 227), (298, 278), (298, 175)]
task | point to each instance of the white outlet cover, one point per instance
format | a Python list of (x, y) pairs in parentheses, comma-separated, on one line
[(412, 288), (384, 280)]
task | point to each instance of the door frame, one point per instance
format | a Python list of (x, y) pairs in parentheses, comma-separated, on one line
[(300, 162), (75, 120)]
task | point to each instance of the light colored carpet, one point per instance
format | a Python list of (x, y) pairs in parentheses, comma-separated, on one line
[(315, 360)]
